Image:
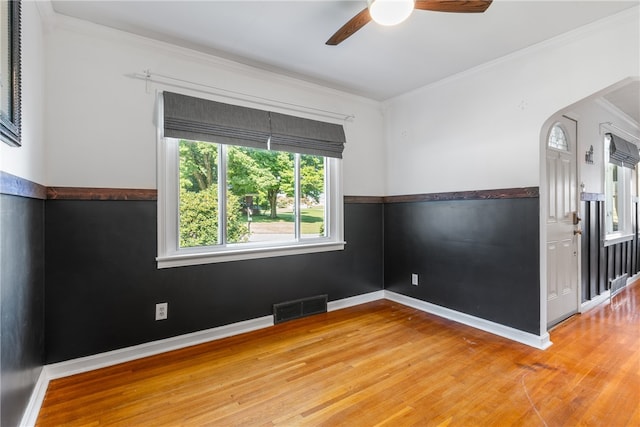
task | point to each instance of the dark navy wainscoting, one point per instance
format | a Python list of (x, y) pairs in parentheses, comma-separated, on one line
[(21, 302), (600, 264), (478, 256), (103, 283)]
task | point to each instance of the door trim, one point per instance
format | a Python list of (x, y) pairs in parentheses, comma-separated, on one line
[(544, 134)]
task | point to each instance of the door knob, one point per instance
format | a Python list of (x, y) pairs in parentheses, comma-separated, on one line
[(577, 232)]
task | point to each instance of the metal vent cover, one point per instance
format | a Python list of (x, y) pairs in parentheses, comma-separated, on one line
[(617, 284), (296, 309)]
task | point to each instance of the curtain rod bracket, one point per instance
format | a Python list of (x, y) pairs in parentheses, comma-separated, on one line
[(147, 74)]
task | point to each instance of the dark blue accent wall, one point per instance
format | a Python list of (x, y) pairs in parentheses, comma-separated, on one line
[(103, 282), (21, 303), (602, 264), (479, 257)]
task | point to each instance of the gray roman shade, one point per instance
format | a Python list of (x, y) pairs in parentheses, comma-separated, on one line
[(298, 135), (204, 120), (622, 153)]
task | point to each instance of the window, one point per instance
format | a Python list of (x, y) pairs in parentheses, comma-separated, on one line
[(619, 157), (615, 197), (271, 196), (558, 139), (244, 187), (10, 72)]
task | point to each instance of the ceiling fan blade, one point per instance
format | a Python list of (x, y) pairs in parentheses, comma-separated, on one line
[(350, 27), (460, 6)]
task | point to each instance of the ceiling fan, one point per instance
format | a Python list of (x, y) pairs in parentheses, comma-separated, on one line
[(391, 12)]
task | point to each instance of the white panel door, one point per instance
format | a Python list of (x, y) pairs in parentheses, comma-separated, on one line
[(562, 237)]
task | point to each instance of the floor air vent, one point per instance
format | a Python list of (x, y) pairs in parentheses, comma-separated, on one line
[(617, 284), (299, 308)]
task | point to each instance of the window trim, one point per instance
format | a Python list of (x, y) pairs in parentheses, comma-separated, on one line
[(616, 238), (169, 253), (11, 121), (626, 233)]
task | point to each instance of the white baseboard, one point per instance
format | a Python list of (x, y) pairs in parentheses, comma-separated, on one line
[(97, 361), (537, 341), (89, 363), (353, 301), (110, 358), (604, 297), (30, 415), (102, 360), (588, 305)]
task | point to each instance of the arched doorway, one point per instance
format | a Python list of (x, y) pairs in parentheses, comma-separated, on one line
[(561, 216), (601, 258)]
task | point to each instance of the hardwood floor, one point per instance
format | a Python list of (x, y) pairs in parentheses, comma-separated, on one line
[(376, 364)]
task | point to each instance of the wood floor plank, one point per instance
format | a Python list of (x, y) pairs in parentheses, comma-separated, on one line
[(377, 364)]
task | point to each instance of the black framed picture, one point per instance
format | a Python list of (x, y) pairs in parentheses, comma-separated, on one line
[(10, 70)]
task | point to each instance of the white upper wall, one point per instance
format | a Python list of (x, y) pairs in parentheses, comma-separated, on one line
[(27, 161), (101, 123), (593, 119), (481, 129), (477, 130)]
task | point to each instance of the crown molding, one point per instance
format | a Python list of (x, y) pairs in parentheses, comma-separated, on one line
[(560, 40), (204, 56)]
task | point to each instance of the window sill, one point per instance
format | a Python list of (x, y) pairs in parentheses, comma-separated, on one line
[(616, 238), (227, 255)]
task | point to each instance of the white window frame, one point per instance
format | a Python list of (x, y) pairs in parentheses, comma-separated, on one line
[(625, 178), (171, 255)]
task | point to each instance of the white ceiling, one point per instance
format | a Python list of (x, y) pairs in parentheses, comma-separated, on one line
[(377, 62), (627, 100)]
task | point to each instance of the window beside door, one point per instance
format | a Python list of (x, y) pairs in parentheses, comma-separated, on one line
[(617, 185)]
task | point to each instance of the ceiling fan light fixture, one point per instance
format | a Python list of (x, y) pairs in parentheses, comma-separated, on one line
[(390, 12)]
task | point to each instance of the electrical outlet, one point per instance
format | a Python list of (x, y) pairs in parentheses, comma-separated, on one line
[(414, 279), (161, 310)]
